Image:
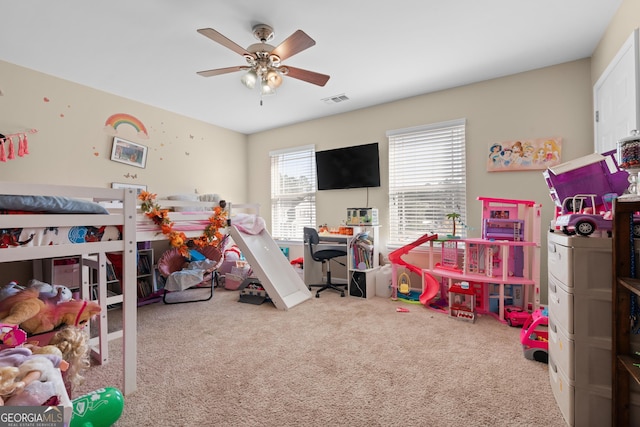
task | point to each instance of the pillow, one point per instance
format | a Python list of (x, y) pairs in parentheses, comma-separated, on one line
[(50, 204), (186, 198)]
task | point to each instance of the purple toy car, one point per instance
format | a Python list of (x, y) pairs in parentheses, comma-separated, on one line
[(581, 215)]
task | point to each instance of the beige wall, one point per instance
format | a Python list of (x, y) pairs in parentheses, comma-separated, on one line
[(73, 146), (554, 101)]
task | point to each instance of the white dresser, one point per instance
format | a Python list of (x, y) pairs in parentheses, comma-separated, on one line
[(579, 300)]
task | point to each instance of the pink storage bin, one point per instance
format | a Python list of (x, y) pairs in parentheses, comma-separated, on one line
[(232, 281)]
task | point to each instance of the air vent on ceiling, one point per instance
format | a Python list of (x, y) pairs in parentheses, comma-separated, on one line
[(336, 99)]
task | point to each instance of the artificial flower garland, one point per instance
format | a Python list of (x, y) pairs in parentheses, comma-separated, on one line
[(211, 235)]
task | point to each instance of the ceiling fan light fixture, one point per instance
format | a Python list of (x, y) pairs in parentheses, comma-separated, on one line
[(250, 79), (274, 79), (264, 61), (266, 89)]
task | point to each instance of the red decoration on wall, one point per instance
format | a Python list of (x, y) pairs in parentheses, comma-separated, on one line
[(6, 143)]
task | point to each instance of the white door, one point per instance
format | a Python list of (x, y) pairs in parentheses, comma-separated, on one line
[(616, 98)]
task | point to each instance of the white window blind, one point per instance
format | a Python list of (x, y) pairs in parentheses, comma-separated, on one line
[(427, 181), (293, 192)]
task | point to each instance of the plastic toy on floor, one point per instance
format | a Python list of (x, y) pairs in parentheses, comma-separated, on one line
[(462, 302), (404, 291), (404, 284), (534, 336), (515, 316), (99, 408), (430, 284), (252, 292)]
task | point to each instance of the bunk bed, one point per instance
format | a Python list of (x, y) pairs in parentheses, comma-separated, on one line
[(120, 210), (93, 248)]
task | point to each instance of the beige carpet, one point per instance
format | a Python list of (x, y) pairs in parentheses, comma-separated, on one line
[(329, 361)]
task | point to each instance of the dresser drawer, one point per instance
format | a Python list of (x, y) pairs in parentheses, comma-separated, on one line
[(563, 350), (563, 391), (592, 315), (560, 305), (560, 262)]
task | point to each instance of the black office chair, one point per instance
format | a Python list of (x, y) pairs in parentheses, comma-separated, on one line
[(324, 256)]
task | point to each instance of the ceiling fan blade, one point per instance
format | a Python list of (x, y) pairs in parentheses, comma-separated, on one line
[(218, 71), (308, 76), (295, 43), (219, 38)]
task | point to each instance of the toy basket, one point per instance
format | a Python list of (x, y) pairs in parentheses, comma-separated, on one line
[(232, 281)]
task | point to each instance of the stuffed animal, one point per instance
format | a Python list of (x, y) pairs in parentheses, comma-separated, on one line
[(9, 289), (232, 253), (60, 293), (36, 316)]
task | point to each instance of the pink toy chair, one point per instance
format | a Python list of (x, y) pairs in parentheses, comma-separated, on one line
[(173, 261)]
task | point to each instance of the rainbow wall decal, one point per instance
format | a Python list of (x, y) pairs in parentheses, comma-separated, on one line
[(121, 118)]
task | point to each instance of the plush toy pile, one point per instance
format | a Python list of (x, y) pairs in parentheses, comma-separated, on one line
[(41, 307), (32, 375), (44, 370), (31, 379)]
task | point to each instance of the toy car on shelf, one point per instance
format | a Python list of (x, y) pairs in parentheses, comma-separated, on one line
[(515, 316), (580, 215)]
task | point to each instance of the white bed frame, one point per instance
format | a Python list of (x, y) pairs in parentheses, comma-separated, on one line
[(124, 211), (125, 217)]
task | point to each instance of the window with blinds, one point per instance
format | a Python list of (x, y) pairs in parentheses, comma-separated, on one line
[(293, 192), (427, 181)]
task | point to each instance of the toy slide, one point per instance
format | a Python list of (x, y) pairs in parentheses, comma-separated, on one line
[(432, 286), (283, 285)]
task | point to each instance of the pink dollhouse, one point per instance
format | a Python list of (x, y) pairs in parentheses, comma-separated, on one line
[(502, 267)]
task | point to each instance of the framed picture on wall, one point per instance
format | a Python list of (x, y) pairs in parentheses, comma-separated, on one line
[(524, 154), (138, 187), (128, 152)]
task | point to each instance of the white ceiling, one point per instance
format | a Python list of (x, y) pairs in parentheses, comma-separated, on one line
[(149, 50)]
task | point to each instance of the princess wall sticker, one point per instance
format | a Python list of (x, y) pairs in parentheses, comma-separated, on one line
[(524, 154)]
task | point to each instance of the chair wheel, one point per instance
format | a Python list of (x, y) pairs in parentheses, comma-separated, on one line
[(317, 295), (341, 294)]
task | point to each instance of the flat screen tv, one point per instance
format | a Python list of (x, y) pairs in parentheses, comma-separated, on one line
[(357, 166)]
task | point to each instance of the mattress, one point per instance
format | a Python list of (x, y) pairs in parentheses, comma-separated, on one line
[(45, 236)]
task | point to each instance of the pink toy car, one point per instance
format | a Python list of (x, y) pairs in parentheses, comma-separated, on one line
[(535, 337), (515, 316)]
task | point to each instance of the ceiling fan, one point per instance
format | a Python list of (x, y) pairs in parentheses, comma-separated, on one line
[(264, 62)]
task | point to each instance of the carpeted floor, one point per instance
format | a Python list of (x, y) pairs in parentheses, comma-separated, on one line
[(329, 361)]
